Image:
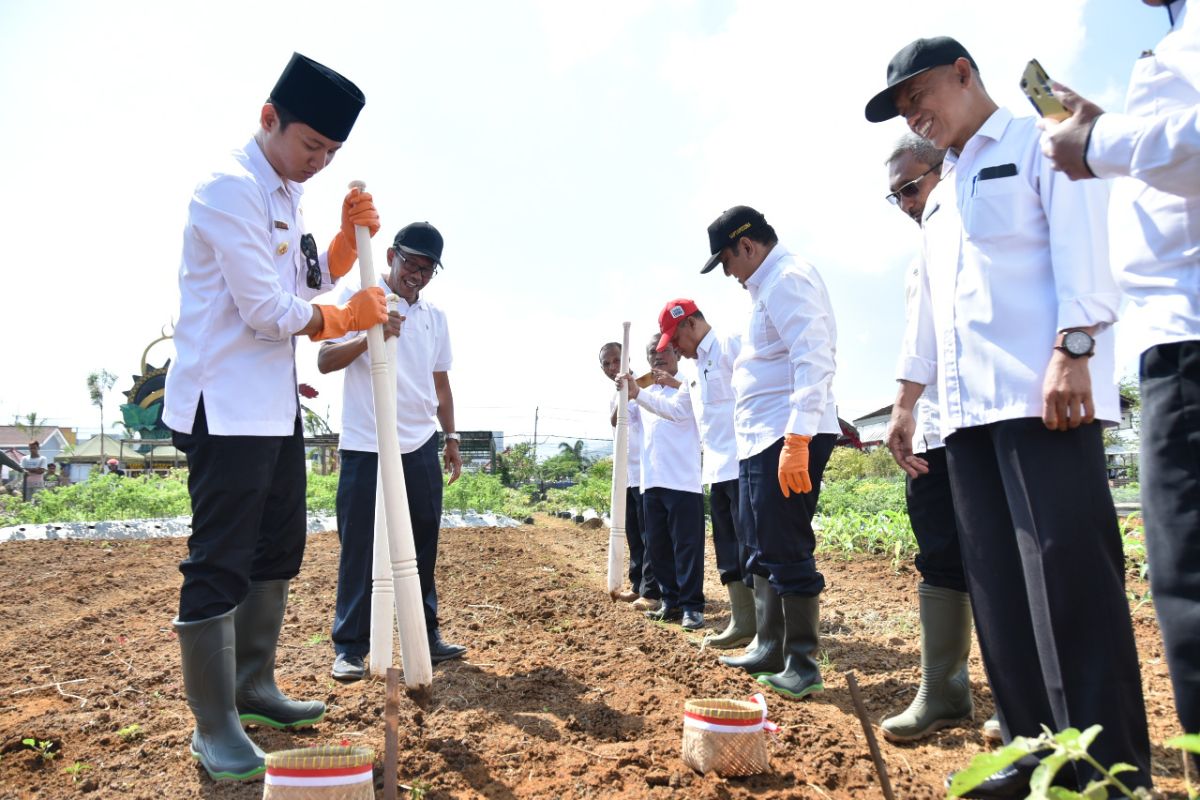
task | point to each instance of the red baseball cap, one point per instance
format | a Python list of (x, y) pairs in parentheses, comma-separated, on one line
[(669, 318)]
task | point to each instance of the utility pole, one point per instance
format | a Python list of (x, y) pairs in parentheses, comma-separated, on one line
[(534, 452)]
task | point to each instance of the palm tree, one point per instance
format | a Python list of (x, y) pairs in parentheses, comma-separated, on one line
[(575, 451), (98, 383), (29, 424)]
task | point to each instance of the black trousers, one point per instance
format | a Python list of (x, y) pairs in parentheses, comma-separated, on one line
[(729, 549), (931, 512), (1170, 477), (1046, 573), (641, 572), (356, 530), (675, 542), (778, 531), (248, 515)]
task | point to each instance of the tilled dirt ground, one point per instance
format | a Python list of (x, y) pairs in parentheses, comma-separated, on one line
[(563, 694)]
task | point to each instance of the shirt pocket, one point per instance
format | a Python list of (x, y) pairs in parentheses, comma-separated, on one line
[(998, 207)]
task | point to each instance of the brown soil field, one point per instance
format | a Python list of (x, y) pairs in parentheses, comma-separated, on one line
[(563, 694)]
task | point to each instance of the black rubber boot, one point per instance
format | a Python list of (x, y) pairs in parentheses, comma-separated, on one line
[(767, 656), (209, 670), (800, 676), (741, 627), (258, 620), (944, 698), (440, 650)]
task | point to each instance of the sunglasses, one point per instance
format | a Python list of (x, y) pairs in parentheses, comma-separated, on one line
[(308, 246), (911, 188)]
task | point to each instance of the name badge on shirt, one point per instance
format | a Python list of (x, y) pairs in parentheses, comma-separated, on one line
[(281, 225)]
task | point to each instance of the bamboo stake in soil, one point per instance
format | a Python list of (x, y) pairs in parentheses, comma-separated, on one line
[(880, 767), (391, 734)]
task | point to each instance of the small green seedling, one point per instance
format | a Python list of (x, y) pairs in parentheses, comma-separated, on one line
[(76, 770), (43, 747), (1188, 743), (131, 733), (315, 639)]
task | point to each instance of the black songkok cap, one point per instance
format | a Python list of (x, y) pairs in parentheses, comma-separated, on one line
[(319, 97)]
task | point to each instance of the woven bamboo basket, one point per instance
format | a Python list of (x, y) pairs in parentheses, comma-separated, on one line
[(320, 773), (725, 736)]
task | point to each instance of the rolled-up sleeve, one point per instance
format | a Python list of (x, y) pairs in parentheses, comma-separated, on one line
[(805, 325), (675, 408), (1161, 151), (228, 215)]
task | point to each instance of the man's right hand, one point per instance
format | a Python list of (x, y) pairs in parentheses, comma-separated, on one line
[(392, 329), (628, 380), (900, 430), (367, 307)]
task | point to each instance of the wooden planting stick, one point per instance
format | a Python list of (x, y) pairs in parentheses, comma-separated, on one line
[(391, 734), (414, 647), (383, 595), (620, 479), (860, 709)]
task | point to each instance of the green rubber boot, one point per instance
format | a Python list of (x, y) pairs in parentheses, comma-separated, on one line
[(258, 620), (800, 676), (944, 698), (209, 670), (742, 626), (767, 657)]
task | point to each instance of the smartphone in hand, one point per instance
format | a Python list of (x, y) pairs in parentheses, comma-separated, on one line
[(1036, 86)]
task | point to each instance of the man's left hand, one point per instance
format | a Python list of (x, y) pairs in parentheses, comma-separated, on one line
[(664, 378), (1067, 393), (1065, 143), (451, 460)]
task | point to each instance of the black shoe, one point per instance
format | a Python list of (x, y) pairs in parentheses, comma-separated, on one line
[(665, 614), (348, 668), (1008, 782), (440, 651), (693, 620)]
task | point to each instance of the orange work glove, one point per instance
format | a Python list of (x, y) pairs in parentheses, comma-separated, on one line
[(358, 208), (793, 465), (366, 308)]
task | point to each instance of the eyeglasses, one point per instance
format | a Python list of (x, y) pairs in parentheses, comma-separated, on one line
[(308, 246), (910, 189), (413, 266)]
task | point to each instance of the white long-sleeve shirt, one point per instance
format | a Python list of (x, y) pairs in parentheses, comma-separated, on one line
[(1010, 261), (633, 465), (783, 376), (670, 448), (928, 435), (1153, 151), (422, 348), (243, 296), (710, 400)]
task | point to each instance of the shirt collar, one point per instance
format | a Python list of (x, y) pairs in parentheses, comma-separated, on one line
[(707, 342), (992, 128), (766, 267), (265, 173)]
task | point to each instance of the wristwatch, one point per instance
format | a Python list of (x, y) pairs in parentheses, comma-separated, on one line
[(454, 437), (1076, 344)]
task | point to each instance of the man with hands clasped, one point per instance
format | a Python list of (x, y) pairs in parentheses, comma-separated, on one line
[(1011, 320), (421, 338), (248, 273)]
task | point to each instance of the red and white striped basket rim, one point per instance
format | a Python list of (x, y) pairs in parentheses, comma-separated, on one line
[(724, 724), (330, 776)]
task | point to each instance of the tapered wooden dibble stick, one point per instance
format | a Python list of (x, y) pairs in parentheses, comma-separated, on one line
[(616, 533), (414, 646), (391, 735), (880, 768), (383, 595)]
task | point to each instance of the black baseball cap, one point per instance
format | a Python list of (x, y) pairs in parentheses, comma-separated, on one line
[(421, 239), (728, 228), (916, 57), (319, 97)]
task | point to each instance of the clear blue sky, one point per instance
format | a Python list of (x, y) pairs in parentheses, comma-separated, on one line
[(572, 154)]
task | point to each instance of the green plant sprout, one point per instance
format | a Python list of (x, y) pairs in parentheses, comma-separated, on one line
[(131, 733), (1059, 749), (76, 770), (43, 747), (1188, 743)]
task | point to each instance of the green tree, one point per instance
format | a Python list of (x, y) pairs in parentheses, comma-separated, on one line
[(515, 465), (98, 384), (28, 425)]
